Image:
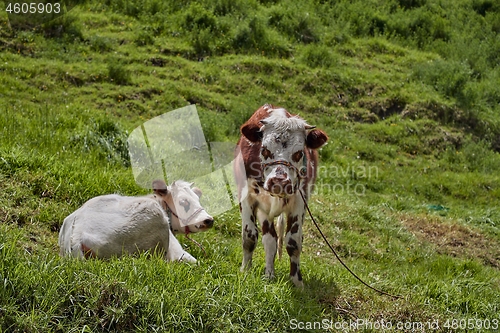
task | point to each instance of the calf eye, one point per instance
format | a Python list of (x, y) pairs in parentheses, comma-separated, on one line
[(297, 156), (266, 153)]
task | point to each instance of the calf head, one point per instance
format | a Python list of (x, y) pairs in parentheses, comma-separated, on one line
[(284, 140), (183, 202)]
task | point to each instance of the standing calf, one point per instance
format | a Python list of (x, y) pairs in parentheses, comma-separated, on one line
[(112, 225), (276, 158)]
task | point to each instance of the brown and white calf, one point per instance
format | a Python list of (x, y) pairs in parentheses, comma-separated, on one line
[(113, 225), (276, 158)]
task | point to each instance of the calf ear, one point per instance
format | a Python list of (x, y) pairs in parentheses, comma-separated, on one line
[(252, 132), (197, 191), (159, 187), (316, 138)]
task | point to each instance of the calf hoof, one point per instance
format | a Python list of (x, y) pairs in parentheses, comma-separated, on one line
[(246, 265), (245, 268), (186, 257), (269, 275), (298, 283)]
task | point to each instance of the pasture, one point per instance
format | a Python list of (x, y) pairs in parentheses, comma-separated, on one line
[(408, 190)]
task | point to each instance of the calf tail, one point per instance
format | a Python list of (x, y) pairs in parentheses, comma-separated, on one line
[(280, 230), (66, 235), (63, 238)]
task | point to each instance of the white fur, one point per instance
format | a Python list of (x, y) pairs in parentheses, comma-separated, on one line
[(279, 122), (279, 129)]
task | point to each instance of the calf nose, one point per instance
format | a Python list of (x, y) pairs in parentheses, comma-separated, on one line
[(280, 173), (209, 222), (279, 185)]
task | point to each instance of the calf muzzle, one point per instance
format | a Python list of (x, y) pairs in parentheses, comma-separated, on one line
[(281, 184), (208, 223)]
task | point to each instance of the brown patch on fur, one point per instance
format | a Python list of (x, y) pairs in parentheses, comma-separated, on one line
[(251, 242), (265, 227), (249, 245), (316, 138), (292, 248), (87, 252), (266, 153), (250, 234), (159, 187), (251, 131), (297, 156), (293, 268), (290, 221), (454, 239), (269, 228)]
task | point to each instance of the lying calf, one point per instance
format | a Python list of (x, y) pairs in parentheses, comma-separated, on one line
[(112, 225)]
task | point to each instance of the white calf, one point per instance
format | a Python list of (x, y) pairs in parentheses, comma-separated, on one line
[(112, 225)]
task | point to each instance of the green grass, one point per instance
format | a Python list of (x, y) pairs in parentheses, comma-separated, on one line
[(141, 294), (408, 188)]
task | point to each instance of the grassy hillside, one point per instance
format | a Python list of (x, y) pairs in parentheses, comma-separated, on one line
[(408, 189)]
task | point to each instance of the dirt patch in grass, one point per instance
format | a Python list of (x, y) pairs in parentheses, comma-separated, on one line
[(454, 239), (359, 307)]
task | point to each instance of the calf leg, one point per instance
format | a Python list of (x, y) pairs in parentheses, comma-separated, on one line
[(280, 228), (293, 241), (269, 239), (249, 233), (174, 249)]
